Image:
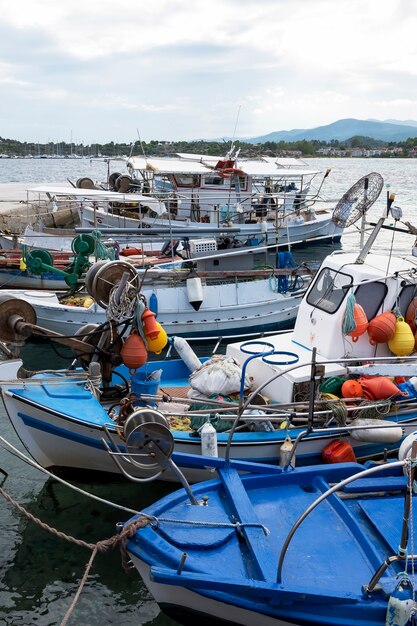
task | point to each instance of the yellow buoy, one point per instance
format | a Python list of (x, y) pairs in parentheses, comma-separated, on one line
[(402, 343), (158, 344)]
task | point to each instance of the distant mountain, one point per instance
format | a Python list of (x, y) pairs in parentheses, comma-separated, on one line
[(401, 122), (345, 129)]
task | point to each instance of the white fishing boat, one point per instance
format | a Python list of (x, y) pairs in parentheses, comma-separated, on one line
[(64, 420), (196, 301), (260, 197)]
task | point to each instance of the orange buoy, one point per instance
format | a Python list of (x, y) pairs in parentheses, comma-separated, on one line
[(130, 251), (411, 315), (402, 343), (379, 388), (150, 325), (382, 328), (133, 352), (361, 322), (352, 389)]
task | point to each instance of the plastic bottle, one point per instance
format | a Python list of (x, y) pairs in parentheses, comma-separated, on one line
[(208, 440)]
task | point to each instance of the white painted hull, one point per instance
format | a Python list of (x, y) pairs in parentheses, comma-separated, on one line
[(173, 598), (228, 308), (55, 438), (320, 226)]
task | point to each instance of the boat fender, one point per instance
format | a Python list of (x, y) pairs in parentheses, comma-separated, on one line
[(286, 453), (194, 291), (208, 440), (401, 608), (405, 448), (153, 303), (186, 353), (379, 431)]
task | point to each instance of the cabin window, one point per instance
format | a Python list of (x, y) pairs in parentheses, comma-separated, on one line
[(371, 296), (329, 290), (243, 183), (213, 180), (187, 180), (408, 293)]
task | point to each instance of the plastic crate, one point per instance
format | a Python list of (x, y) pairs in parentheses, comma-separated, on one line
[(197, 246)]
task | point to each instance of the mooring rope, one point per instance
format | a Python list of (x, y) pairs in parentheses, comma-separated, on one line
[(128, 531)]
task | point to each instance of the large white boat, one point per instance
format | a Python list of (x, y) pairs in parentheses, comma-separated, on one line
[(262, 198)]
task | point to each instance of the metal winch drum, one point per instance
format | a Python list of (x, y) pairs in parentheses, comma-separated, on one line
[(102, 277), (14, 307), (144, 427)]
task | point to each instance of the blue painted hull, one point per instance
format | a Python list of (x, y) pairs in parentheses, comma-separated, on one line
[(231, 574), (63, 426)]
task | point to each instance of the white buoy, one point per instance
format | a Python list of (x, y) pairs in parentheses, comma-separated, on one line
[(208, 440), (286, 453), (400, 604), (194, 291), (186, 353), (386, 431), (405, 448)]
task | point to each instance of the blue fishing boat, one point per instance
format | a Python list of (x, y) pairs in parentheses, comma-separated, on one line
[(320, 545)]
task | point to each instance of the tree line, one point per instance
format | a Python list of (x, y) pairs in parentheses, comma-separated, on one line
[(305, 148)]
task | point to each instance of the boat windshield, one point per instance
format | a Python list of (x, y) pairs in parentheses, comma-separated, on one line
[(329, 290)]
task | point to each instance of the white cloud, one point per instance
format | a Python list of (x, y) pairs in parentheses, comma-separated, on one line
[(181, 69)]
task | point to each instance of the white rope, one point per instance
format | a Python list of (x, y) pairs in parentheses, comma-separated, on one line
[(125, 308)]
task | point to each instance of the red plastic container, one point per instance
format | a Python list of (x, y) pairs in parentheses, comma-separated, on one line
[(338, 452)]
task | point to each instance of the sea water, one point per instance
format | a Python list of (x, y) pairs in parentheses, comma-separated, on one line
[(40, 573)]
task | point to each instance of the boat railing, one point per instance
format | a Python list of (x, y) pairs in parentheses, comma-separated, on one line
[(409, 464), (316, 372)]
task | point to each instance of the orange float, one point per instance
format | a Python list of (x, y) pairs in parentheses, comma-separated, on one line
[(130, 251), (352, 389), (133, 352), (411, 315), (382, 328), (361, 322), (150, 325), (379, 388)]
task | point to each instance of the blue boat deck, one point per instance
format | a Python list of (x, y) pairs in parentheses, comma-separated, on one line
[(332, 556)]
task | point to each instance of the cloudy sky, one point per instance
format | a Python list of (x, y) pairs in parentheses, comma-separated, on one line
[(100, 70)]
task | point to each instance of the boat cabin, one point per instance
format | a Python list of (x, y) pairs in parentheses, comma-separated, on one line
[(379, 285), (218, 190)]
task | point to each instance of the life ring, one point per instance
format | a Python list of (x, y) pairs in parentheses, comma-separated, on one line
[(228, 172)]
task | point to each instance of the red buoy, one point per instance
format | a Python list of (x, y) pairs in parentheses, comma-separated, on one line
[(382, 328), (150, 325), (133, 352)]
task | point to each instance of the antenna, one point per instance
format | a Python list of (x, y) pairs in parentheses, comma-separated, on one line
[(234, 133), (141, 144)]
